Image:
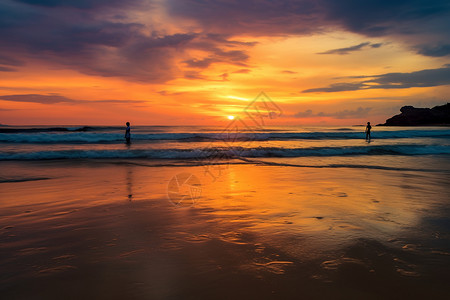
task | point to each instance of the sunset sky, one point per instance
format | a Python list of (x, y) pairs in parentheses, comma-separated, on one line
[(196, 62)]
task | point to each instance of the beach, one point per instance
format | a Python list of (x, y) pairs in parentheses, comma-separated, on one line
[(224, 150), (358, 226)]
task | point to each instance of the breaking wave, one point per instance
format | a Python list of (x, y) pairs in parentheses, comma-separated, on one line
[(85, 135), (218, 153)]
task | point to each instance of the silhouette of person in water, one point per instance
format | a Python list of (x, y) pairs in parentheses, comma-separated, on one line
[(368, 127), (127, 133)]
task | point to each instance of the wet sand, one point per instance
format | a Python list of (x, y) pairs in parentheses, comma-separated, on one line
[(107, 230)]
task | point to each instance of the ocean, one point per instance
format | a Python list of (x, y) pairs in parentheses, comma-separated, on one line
[(280, 212), (309, 144)]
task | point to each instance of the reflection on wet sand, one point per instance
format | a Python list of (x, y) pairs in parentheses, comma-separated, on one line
[(256, 232), (130, 182)]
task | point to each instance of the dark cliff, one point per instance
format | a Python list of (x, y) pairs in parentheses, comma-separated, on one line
[(411, 116)]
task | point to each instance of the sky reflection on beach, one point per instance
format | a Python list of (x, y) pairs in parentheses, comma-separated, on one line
[(255, 221)]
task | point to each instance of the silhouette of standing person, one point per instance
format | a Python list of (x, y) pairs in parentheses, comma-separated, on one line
[(368, 127), (128, 133)]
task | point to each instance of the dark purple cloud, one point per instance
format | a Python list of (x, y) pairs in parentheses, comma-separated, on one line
[(10, 61), (435, 50), (56, 99), (422, 78), (344, 114), (81, 4), (380, 17), (236, 57), (201, 63), (226, 40), (348, 50), (87, 40), (89, 36), (250, 17), (193, 75), (411, 21), (37, 98), (101, 37), (7, 69)]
